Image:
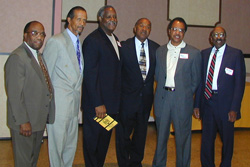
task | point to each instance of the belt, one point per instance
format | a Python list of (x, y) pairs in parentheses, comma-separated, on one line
[(169, 89)]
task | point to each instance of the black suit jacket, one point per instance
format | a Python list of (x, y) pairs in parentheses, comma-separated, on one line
[(230, 85), (102, 74), (137, 95)]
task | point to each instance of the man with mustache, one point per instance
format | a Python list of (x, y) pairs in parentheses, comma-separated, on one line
[(101, 85), (64, 58), (30, 96), (178, 76), (218, 99), (138, 68)]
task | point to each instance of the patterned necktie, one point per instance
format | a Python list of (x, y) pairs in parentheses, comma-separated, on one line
[(45, 73), (142, 62), (208, 88), (78, 54)]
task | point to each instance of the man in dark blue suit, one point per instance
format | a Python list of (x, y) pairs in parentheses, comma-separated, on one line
[(218, 101), (137, 94), (101, 85)]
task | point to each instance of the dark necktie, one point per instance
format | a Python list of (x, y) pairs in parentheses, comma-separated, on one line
[(142, 62), (45, 73), (208, 88), (78, 54)]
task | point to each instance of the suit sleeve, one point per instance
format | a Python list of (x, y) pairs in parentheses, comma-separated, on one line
[(240, 79), (91, 68), (196, 71), (14, 82), (50, 55)]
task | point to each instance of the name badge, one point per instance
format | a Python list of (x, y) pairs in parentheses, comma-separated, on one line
[(229, 71), (183, 55)]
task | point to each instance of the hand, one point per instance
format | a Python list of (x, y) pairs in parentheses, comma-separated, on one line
[(100, 111), (232, 115), (25, 129), (196, 113)]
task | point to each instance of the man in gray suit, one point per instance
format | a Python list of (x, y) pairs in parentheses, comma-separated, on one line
[(63, 56), (30, 99), (178, 75)]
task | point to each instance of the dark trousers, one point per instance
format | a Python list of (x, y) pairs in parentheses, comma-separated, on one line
[(95, 141), (212, 122), (26, 149), (131, 135)]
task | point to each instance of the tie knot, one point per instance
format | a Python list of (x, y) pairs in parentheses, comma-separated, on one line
[(142, 44), (216, 51)]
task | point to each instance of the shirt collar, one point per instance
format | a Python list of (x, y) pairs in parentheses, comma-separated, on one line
[(220, 50), (72, 36), (138, 42), (172, 47), (33, 51)]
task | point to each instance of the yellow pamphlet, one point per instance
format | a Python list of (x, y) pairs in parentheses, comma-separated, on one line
[(107, 122)]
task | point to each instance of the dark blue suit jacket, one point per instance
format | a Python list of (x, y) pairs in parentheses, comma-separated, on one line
[(230, 87), (137, 95), (102, 74)]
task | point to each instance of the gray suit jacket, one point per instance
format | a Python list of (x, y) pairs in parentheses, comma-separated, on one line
[(28, 98), (61, 59), (187, 78)]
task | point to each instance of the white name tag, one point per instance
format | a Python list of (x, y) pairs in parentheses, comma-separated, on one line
[(229, 71), (183, 55)]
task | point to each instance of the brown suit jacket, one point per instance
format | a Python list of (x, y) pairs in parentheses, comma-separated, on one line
[(28, 98)]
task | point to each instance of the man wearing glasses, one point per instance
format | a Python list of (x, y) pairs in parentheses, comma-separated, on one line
[(218, 99), (30, 101), (178, 76)]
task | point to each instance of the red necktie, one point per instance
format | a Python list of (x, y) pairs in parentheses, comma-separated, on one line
[(208, 88)]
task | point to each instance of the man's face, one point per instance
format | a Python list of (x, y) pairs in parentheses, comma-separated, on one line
[(218, 37), (35, 35), (177, 32), (78, 22), (142, 29), (109, 21)]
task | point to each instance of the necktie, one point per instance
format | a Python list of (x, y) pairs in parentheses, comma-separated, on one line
[(45, 73), (142, 62), (78, 54), (209, 82)]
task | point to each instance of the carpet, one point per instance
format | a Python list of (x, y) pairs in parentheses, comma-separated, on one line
[(108, 165)]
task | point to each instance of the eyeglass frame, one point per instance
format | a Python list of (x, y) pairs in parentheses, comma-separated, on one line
[(35, 33), (216, 35), (178, 29)]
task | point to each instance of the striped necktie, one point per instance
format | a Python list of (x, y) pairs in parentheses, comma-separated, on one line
[(209, 82), (78, 54), (142, 62)]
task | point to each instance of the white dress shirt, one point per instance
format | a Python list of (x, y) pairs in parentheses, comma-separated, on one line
[(171, 64), (34, 52), (218, 61), (138, 47)]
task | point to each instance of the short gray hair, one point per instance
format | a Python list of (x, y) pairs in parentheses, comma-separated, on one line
[(101, 10)]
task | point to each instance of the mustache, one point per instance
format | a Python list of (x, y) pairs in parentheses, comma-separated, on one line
[(112, 22), (218, 40)]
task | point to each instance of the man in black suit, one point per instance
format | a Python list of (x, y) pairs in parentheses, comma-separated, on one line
[(218, 99), (138, 68), (101, 85)]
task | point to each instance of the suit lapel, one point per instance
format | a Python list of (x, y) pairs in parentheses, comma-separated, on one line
[(223, 65), (108, 42), (34, 64), (150, 70), (71, 52), (164, 59)]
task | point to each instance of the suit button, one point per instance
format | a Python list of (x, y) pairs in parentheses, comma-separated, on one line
[(162, 97), (46, 106), (48, 94), (140, 94)]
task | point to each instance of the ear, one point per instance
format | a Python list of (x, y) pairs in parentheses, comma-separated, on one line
[(69, 19), (134, 29), (100, 19)]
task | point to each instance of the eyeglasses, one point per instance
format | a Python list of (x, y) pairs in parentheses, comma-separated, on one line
[(216, 35), (178, 29), (35, 34)]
